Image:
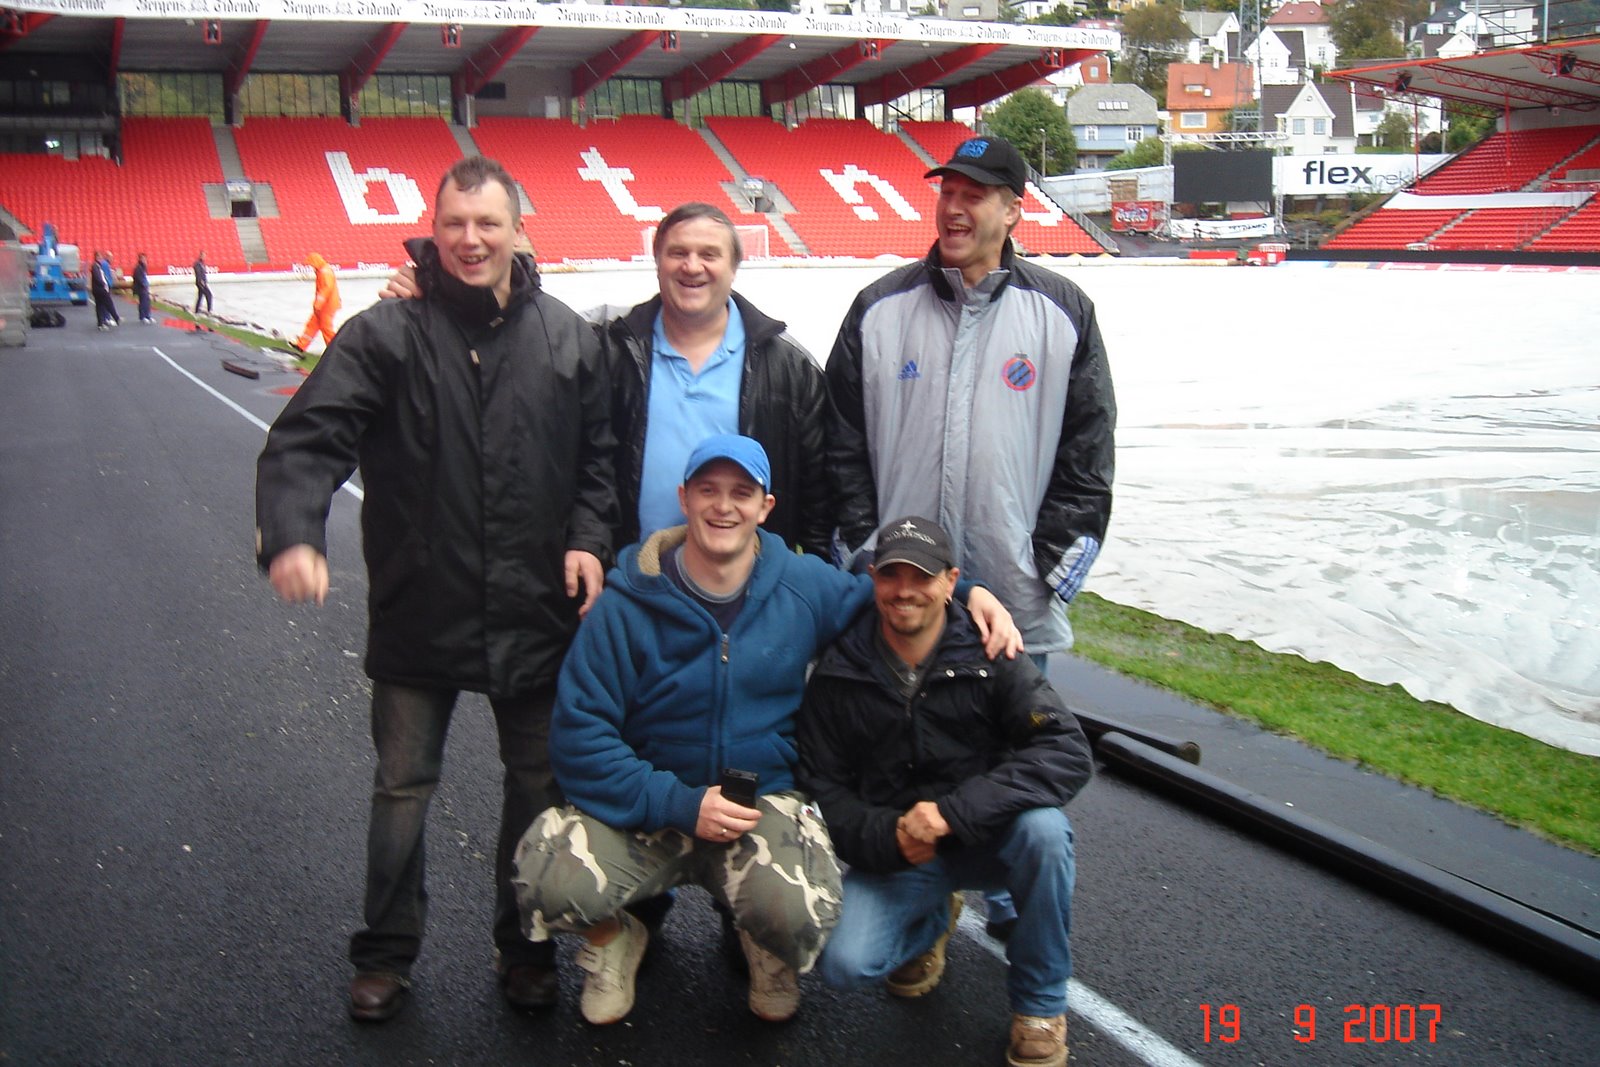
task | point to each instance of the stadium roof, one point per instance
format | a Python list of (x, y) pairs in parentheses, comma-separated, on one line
[(1564, 75), (686, 49)]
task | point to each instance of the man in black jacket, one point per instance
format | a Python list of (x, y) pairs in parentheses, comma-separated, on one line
[(939, 770), (141, 288), (480, 420)]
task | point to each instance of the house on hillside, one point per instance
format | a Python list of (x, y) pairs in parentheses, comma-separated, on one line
[(1108, 120), (1201, 95), (1311, 22), (1212, 31), (1279, 58), (1463, 27), (1319, 119)]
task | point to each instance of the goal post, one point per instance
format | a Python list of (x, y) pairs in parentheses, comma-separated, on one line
[(755, 239)]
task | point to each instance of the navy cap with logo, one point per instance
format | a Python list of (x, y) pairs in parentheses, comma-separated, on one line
[(988, 161), (745, 451), (917, 541)]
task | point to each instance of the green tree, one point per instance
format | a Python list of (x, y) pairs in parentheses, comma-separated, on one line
[(1466, 131), (1060, 15), (1147, 153), (1372, 29), (1152, 37), (1033, 122), (1394, 132)]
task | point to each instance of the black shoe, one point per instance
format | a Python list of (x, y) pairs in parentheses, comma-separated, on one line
[(1000, 929), (376, 997), (528, 986)]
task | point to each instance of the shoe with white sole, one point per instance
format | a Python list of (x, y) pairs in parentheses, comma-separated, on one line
[(612, 967)]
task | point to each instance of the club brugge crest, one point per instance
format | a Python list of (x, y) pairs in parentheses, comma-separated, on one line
[(1019, 373)]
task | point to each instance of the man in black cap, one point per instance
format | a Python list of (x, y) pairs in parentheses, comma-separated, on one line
[(939, 770), (973, 388)]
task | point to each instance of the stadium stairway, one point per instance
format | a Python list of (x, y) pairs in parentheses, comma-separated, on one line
[(735, 191)]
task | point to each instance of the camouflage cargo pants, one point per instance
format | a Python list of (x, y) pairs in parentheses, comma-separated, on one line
[(780, 880)]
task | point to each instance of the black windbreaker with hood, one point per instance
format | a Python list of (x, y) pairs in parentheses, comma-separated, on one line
[(783, 403), (484, 442)]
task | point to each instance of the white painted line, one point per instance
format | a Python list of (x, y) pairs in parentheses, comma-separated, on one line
[(353, 490), (1097, 1011)]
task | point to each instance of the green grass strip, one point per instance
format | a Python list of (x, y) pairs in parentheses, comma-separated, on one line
[(1530, 784)]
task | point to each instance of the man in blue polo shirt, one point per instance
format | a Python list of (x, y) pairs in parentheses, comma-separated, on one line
[(699, 359)]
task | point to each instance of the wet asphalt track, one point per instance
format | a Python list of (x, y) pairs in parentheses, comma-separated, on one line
[(183, 775)]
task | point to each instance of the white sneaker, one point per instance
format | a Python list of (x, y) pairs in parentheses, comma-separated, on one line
[(774, 985), (608, 989)]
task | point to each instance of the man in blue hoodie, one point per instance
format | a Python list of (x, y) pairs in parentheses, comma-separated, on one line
[(693, 663)]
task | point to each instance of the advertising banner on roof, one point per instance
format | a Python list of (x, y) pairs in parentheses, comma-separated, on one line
[(589, 16)]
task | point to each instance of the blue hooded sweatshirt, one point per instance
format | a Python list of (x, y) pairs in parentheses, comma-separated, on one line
[(654, 700)]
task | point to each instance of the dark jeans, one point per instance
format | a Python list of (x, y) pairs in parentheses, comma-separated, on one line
[(202, 292), (408, 730), (105, 309), (144, 304)]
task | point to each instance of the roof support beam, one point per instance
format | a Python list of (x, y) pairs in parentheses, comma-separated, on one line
[(239, 69), (603, 66), (920, 75), (486, 62), (114, 60), (365, 63), (1552, 94), (799, 80), (987, 87), (20, 24), (712, 69)]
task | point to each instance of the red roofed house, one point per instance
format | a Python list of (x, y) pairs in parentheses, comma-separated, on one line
[(1312, 23), (1200, 95)]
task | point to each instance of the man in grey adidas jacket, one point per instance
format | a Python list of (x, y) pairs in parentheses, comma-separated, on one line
[(973, 388)]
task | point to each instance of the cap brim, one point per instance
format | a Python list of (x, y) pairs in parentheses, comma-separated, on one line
[(925, 564), (967, 170)]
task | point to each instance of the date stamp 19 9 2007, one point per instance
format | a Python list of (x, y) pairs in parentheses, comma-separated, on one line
[(1358, 1024)]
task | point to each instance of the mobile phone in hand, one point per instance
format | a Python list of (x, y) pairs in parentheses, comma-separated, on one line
[(740, 786)]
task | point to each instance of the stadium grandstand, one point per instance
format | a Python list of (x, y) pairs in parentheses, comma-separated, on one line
[(1526, 191), (263, 130)]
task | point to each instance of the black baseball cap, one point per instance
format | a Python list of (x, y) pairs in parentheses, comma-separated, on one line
[(989, 161), (917, 541)]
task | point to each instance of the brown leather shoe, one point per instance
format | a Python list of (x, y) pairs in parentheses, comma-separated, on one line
[(1038, 1042), (376, 996), (920, 974), (527, 986)]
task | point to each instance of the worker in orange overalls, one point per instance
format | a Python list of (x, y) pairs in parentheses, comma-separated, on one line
[(323, 305)]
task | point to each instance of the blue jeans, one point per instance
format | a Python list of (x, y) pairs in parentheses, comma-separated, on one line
[(889, 918), (998, 903), (408, 730)]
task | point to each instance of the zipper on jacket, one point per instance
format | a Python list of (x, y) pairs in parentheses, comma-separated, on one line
[(724, 652), (473, 352)]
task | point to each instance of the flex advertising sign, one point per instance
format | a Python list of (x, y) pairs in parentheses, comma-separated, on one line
[(1343, 174)]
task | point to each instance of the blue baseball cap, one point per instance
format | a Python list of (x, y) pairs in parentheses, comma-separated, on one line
[(745, 451)]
